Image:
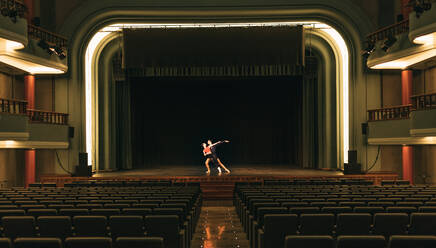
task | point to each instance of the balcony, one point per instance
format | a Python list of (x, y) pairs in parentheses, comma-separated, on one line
[(13, 25), (413, 124), (423, 121), (28, 128), (45, 53), (391, 48)]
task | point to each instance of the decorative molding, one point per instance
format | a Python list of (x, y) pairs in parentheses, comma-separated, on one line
[(14, 135), (403, 141), (423, 132)]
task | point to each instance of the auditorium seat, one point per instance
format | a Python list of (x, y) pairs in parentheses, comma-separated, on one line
[(167, 227), (361, 241), (5, 243), (423, 224), (37, 243), (427, 209), (18, 226), (73, 211), (388, 224), (371, 210), (304, 210), (54, 226), (90, 226), (296, 241), (88, 242), (126, 226), (353, 224), (137, 211), (407, 210), (258, 222), (42, 212), (317, 224), (139, 242), (412, 241), (336, 210), (275, 228), (105, 211), (116, 205)]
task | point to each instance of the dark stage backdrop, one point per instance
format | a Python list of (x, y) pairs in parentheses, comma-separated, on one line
[(171, 117)]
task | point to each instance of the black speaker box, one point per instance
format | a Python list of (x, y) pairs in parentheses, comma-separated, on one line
[(83, 171), (364, 128), (83, 159), (70, 132), (352, 168), (352, 156)]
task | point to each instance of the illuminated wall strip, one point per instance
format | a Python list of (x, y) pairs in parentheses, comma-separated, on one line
[(104, 32)]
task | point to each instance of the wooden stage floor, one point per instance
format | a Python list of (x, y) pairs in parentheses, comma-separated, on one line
[(236, 170)]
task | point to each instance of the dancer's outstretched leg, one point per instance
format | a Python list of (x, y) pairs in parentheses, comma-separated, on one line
[(222, 165)]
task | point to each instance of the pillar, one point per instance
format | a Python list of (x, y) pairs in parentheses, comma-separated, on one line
[(407, 151), (405, 10), (29, 6), (29, 155)]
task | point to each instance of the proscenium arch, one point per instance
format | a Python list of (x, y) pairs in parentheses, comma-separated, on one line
[(343, 16)]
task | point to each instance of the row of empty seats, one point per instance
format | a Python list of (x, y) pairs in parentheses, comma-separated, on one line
[(83, 242), (266, 211), (110, 212), (373, 241)]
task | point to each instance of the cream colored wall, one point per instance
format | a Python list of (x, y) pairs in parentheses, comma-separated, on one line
[(391, 159), (391, 86), (425, 164), (44, 92)]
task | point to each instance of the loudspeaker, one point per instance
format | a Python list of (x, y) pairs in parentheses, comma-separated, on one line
[(352, 156), (364, 128), (83, 171), (352, 168), (83, 159), (70, 132)]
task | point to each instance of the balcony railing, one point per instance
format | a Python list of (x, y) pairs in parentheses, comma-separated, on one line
[(391, 113), (424, 101), (392, 30), (12, 8), (47, 117), (13, 106), (51, 38)]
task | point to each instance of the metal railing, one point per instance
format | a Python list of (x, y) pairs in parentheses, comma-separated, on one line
[(51, 38), (13, 8), (392, 30), (424, 101), (47, 117), (390, 113), (13, 106)]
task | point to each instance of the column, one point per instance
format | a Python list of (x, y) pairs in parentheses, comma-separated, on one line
[(29, 155), (407, 151)]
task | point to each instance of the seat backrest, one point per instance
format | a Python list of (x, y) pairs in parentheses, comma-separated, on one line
[(361, 241), (137, 211), (397, 209), (164, 226), (388, 224), (317, 224), (54, 226), (371, 210), (337, 210), (407, 241), (313, 241), (140, 242), (269, 210), (42, 212), (73, 211), (88, 242), (37, 243), (90, 226), (423, 224), (304, 210), (126, 226), (353, 224), (277, 226), (105, 211), (5, 243), (18, 226)]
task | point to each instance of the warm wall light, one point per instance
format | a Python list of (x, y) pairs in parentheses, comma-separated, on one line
[(427, 39), (27, 66), (404, 62)]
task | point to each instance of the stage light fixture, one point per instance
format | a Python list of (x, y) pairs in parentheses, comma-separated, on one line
[(370, 47), (419, 6), (388, 43), (60, 52)]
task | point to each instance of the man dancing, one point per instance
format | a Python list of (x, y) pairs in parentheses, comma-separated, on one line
[(209, 152)]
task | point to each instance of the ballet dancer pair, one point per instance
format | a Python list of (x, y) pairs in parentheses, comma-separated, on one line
[(209, 151)]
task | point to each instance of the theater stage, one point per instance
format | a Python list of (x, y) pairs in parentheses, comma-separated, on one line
[(215, 186)]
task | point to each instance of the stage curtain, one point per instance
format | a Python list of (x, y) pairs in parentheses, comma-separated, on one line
[(223, 51), (309, 115), (260, 116), (123, 132)]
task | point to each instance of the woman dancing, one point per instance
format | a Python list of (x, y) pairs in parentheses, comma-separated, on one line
[(209, 152)]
